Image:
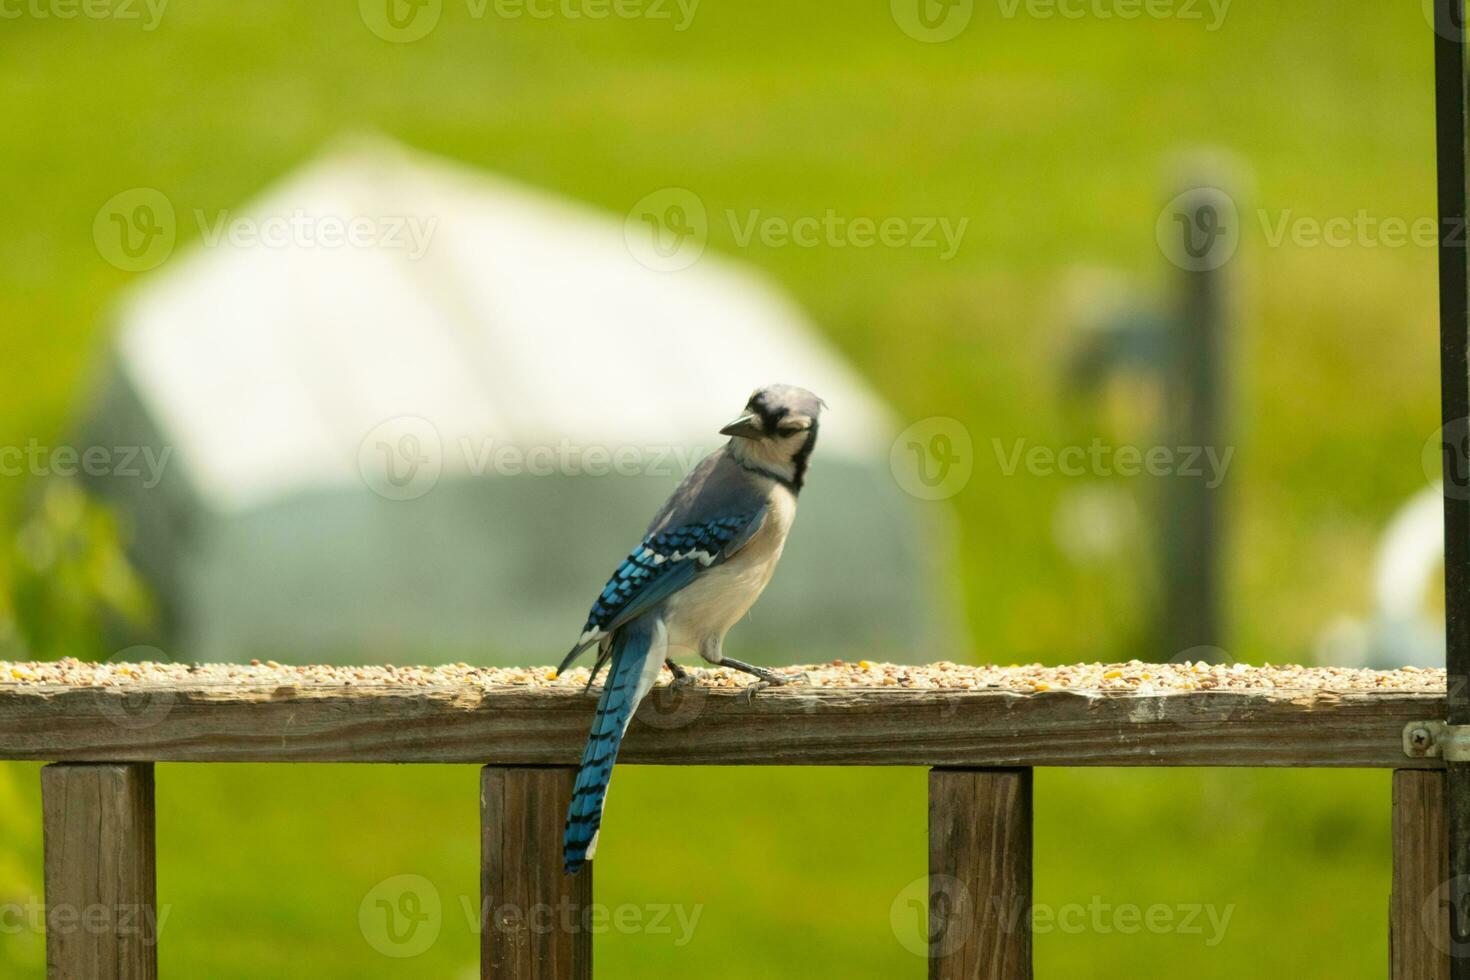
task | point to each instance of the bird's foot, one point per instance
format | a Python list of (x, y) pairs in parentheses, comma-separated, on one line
[(748, 693), (770, 679), (682, 677), (764, 678)]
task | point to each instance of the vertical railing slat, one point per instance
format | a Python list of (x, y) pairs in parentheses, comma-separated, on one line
[(101, 901), (980, 874), (1418, 918), (533, 922)]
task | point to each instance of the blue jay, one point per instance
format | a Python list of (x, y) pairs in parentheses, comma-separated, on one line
[(703, 562)]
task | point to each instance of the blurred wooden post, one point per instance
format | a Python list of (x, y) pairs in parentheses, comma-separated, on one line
[(1192, 530), (980, 874), (533, 916), (101, 904), (1419, 916)]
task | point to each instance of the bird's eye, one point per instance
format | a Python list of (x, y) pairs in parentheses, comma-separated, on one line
[(789, 430)]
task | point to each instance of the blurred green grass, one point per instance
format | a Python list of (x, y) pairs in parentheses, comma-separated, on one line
[(1054, 137), (780, 872)]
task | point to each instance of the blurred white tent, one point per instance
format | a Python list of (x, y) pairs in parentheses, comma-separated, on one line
[(436, 443), (1406, 627)]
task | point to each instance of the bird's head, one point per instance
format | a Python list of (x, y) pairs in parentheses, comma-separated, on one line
[(776, 432)]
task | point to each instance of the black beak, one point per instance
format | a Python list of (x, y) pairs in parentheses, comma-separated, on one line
[(746, 427)]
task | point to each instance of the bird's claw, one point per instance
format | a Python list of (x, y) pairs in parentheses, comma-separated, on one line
[(748, 693), (773, 680)]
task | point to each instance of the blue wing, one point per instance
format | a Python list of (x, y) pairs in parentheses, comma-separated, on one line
[(662, 565)]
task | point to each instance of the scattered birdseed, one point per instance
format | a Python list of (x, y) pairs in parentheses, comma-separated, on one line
[(1133, 677)]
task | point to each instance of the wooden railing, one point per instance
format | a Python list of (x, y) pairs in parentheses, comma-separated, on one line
[(981, 746)]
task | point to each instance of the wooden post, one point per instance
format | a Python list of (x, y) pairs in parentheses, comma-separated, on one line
[(1419, 915), (980, 874), (533, 916), (101, 905)]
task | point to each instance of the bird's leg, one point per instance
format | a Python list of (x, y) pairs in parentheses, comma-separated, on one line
[(769, 676), (764, 678), (681, 676)]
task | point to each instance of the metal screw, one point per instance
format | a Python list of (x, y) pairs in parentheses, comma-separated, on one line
[(1420, 738)]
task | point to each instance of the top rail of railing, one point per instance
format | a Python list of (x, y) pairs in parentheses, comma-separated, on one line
[(847, 714)]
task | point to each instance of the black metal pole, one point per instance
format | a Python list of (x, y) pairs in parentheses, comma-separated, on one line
[(1192, 532), (1454, 360)]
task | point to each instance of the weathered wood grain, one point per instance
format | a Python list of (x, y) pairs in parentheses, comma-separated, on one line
[(1419, 914), (101, 908), (980, 874), (708, 726), (532, 924)]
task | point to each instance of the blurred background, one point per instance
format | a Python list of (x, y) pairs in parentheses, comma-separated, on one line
[(376, 332)]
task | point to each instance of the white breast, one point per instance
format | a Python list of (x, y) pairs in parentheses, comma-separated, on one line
[(718, 598)]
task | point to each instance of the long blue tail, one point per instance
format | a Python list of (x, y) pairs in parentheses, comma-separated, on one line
[(624, 688)]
